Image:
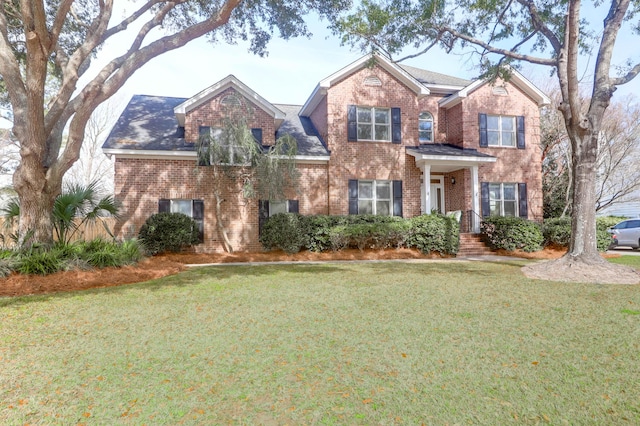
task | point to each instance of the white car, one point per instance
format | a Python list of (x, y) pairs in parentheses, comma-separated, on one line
[(626, 234)]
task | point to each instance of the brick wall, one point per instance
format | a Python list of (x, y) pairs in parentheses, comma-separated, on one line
[(212, 113), (140, 183)]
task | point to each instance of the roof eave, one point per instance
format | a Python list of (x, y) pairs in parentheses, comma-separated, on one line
[(401, 75), (211, 91)]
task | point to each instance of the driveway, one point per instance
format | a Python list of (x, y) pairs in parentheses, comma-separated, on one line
[(624, 251)]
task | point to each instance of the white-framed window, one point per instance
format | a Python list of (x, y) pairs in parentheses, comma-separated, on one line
[(503, 199), (228, 154), (425, 127), (501, 130), (375, 197), (373, 124)]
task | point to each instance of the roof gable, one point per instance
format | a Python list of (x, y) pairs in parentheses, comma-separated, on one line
[(516, 79), (396, 71), (214, 90)]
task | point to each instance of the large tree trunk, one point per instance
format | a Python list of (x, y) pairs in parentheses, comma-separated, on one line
[(36, 195), (583, 243)]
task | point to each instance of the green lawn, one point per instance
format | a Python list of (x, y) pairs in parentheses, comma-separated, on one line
[(375, 343)]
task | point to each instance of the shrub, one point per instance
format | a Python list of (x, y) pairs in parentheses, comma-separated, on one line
[(7, 266), (558, 231), (168, 232), (40, 262), (284, 231), (434, 233), (512, 233)]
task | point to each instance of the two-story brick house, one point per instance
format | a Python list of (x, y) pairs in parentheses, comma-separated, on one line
[(375, 137)]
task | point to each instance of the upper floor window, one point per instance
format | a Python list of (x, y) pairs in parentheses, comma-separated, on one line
[(220, 148), (425, 127), (501, 130), (374, 124)]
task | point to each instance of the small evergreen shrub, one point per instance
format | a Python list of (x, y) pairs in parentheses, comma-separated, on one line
[(7, 265), (164, 232), (512, 233), (284, 231), (434, 233), (557, 231)]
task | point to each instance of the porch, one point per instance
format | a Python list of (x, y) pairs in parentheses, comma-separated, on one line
[(449, 168)]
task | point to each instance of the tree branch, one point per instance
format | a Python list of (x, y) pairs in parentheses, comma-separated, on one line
[(115, 74), (539, 24), (506, 52), (630, 75)]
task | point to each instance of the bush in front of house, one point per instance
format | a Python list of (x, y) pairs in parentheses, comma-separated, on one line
[(284, 231), (512, 233), (434, 233), (171, 232), (370, 235), (557, 231), (80, 255)]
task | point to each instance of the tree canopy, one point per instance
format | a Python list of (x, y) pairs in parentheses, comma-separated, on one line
[(46, 47)]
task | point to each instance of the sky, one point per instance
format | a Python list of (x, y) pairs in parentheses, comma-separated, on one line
[(292, 68)]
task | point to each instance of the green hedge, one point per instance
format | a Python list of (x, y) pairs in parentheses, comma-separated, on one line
[(292, 232), (557, 231), (512, 233)]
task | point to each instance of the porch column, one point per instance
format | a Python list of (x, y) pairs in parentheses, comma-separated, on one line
[(426, 189), (475, 201)]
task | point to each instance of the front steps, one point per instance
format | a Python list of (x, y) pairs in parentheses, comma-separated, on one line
[(472, 245)]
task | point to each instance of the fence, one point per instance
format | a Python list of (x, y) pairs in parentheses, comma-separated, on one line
[(87, 231)]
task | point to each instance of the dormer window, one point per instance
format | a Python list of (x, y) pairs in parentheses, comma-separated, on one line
[(425, 127)]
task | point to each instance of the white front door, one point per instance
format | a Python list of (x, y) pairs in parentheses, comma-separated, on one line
[(437, 194)]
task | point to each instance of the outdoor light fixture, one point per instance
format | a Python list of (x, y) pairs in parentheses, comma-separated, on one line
[(453, 181)]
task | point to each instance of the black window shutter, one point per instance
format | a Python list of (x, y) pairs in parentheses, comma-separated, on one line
[(164, 206), (263, 214), (396, 125), (198, 217), (522, 200), (257, 135), (484, 190), (482, 125), (397, 198), (520, 132), (352, 125), (293, 206), (353, 196)]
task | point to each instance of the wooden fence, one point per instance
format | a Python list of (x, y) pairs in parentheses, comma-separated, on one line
[(88, 231)]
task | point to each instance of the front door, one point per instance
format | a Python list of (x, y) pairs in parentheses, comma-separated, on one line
[(437, 194)]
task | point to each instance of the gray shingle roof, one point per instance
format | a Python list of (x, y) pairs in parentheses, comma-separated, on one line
[(301, 128), (430, 77), (149, 123), (447, 149)]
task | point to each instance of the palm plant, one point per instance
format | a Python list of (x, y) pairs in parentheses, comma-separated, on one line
[(78, 204)]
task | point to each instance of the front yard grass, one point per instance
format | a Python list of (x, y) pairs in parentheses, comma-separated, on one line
[(373, 343)]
